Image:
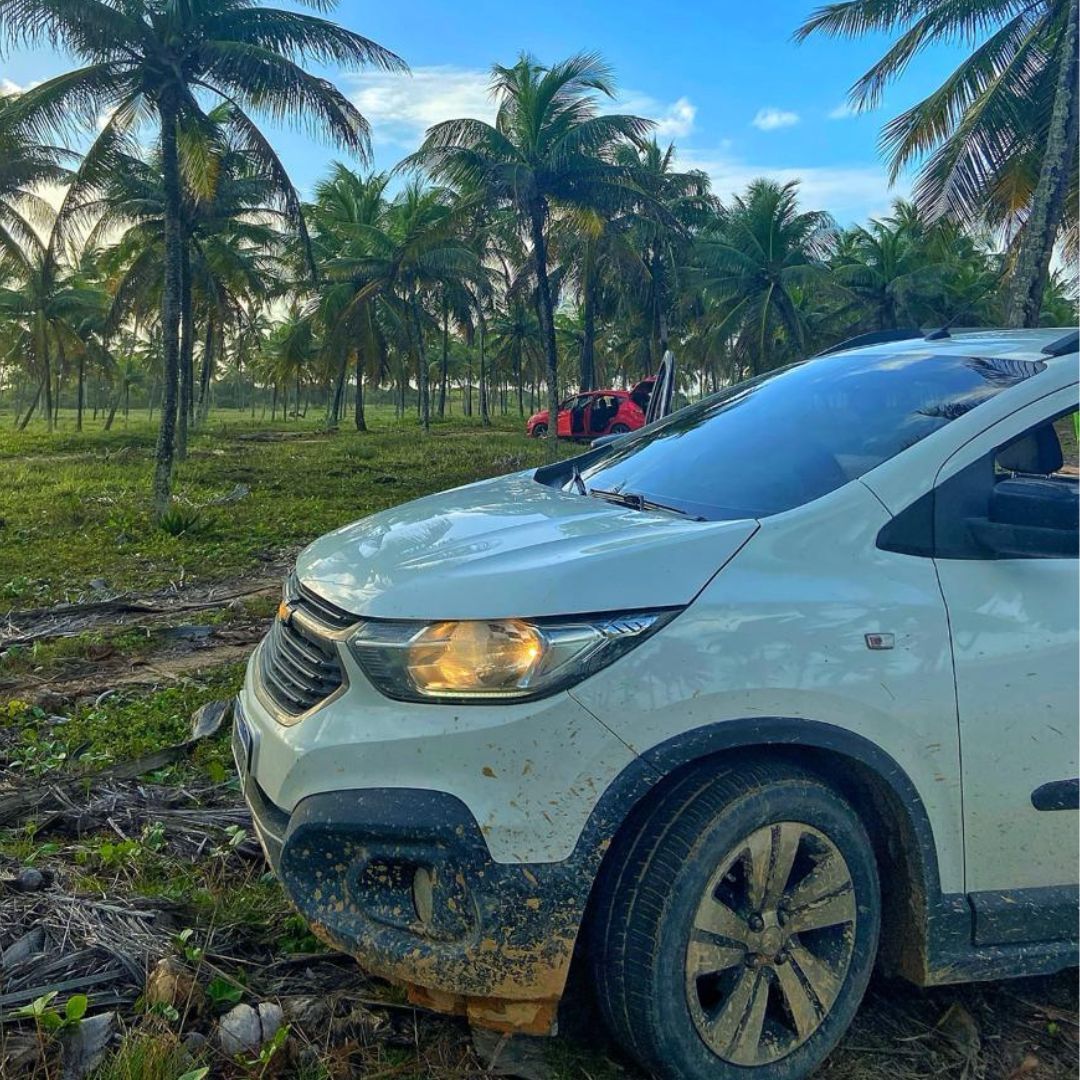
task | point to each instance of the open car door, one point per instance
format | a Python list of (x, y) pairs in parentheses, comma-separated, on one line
[(659, 401), (663, 389)]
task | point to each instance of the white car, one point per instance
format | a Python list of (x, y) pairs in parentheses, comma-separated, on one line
[(706, 721)]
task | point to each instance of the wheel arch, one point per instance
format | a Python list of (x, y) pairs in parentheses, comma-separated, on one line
[(878, 788)]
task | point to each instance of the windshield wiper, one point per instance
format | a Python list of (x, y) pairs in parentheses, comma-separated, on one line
[(639, 502)]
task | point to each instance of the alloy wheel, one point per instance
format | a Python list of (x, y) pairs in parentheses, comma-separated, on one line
[(771, 942)]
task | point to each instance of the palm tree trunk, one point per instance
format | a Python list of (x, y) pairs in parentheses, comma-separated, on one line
[(170, 306), (421, 360), (361, 421), (80, 392), (121, 393), (485, 419), (333, 410), (50, 416), (445, 366), (207, 369), (546, 313), (42, 346), (1048, 202), (588, 334), (468, 383), (187, 351), (30, 411)]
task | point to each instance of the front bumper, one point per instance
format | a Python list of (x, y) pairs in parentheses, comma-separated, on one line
[(404, 880)]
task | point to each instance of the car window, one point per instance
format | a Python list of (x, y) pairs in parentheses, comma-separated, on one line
[(1046, 449), (1068, 430), (793, 435), (1021, 500)]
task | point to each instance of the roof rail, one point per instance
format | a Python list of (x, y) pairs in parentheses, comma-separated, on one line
[(1064, 345), (874, 337)]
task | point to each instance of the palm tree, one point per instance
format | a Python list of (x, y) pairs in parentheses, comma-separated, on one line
[(883, 267), (50, 317), (1061, 306), (999, 136), (412, 252), (347, 210), (513, 343), (24, 165), (292, 347), (147, 59), (761, 251), (231, 240), (674, 207), (549, 149)]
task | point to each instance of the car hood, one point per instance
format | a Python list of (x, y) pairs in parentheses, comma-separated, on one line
[(513, 547)]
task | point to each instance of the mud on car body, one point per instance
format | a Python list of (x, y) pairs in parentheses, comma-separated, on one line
[(707, 721)]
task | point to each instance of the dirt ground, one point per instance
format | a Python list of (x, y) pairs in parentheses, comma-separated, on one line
[(133, 869)]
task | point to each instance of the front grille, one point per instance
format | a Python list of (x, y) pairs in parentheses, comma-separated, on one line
[(302, 599), (300, 666)]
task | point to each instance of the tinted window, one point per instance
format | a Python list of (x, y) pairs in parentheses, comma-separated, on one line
[(793, 435)]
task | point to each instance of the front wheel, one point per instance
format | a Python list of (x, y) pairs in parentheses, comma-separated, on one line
[(735, 932), (539, 431), (619, 429)]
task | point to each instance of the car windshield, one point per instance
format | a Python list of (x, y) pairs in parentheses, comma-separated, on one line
[(793, 435)]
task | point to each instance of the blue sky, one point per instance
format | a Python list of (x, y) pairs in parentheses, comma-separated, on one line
[(723, 79)]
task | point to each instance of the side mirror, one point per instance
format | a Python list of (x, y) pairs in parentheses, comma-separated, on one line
[(1030, 517)]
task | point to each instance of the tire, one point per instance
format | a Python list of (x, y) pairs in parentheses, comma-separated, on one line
[(618, 429), (539, 431), (657, 989)]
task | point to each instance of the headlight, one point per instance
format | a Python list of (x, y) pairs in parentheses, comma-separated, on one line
[(497, 659)]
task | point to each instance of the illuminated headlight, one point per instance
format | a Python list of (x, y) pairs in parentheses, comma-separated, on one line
[(497, 659)]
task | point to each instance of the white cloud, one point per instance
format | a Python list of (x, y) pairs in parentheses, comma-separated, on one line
[(674, 121), (401, 108), (9, 87), (770, 119), (849, 192), (843, 111), (677, 121)]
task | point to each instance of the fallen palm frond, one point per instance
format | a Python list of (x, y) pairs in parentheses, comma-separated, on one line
[(53, 796), (21, 628)]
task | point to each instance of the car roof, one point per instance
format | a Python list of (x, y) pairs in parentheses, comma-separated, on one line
[(1013, 344)]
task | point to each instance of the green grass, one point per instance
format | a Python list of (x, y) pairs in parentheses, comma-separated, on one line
[(124, 725), (51, 655), (74, 508), (57, 658)]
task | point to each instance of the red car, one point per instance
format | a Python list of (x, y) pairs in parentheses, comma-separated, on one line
[(597, 412)]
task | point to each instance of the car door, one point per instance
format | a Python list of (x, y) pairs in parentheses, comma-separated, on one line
[(563, 429), (579, 415), (1008, 574), (602, 414)]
